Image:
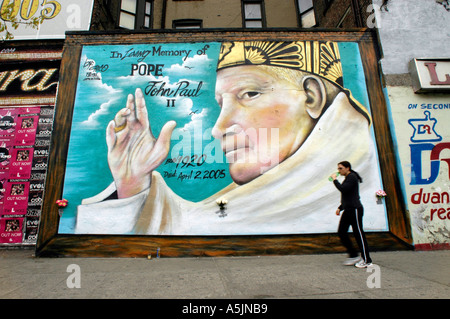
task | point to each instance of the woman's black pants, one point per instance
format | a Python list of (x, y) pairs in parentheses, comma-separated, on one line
[(353, 217)]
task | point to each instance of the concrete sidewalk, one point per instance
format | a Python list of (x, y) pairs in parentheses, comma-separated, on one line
[(400, 274)]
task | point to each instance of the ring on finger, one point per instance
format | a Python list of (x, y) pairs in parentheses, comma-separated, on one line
[(120, 127)]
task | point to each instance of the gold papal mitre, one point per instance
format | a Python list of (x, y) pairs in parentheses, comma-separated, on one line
[(317, 57)]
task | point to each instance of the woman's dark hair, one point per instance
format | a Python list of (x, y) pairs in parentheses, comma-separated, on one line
[(348, 165)]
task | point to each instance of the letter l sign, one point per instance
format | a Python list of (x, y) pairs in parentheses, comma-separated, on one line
[(434, 77)]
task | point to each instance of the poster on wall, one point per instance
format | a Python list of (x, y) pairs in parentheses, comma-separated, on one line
[(423, 138), (209, 138), (24, 145), (29, 80)]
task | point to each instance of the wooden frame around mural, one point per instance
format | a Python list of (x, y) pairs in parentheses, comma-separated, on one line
[(51, 243)]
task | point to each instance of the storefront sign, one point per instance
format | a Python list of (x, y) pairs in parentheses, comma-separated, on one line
[(430, 75), (28, 82), (423, 138), (29, 78), (58, 17)]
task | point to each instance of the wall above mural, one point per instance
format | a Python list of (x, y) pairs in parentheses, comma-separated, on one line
[(231, 137)]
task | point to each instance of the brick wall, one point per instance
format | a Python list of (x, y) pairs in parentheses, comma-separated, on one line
[(102, 15), (342, 13)]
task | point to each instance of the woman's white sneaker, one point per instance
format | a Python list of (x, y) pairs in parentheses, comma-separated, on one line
[(351, 261), (362, 264)]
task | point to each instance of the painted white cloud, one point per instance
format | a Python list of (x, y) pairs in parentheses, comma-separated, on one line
[(197, 117), (112, 95), (92, 120), (192, 66)]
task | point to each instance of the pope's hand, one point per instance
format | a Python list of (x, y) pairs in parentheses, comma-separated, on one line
[(133, 151)]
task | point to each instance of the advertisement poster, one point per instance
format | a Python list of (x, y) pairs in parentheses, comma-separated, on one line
[(423, 137), (209, 138), (24, 145), (57, 17)]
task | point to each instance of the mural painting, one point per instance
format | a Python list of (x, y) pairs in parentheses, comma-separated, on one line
[(423, 140), (209, 138)]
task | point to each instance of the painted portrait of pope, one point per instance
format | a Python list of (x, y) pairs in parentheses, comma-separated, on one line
[(285, 121)]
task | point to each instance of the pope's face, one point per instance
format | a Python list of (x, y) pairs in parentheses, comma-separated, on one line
[(262, 122)]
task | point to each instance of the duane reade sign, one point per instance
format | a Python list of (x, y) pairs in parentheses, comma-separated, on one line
[(430, 74), (58, 17)]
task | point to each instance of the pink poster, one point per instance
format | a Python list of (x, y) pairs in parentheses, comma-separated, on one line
[(26, 132), (24, 146), (21, 160), (11, 230), (8, 121), (16, 198)]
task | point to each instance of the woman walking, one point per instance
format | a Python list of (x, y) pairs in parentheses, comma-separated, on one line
[(353, 212)]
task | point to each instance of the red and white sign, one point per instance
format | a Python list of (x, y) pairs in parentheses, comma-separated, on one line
[(430, 75)]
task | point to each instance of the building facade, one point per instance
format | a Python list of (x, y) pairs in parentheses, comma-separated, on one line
[(29, 77), (415, 210), (416, 70), (181, 14)]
